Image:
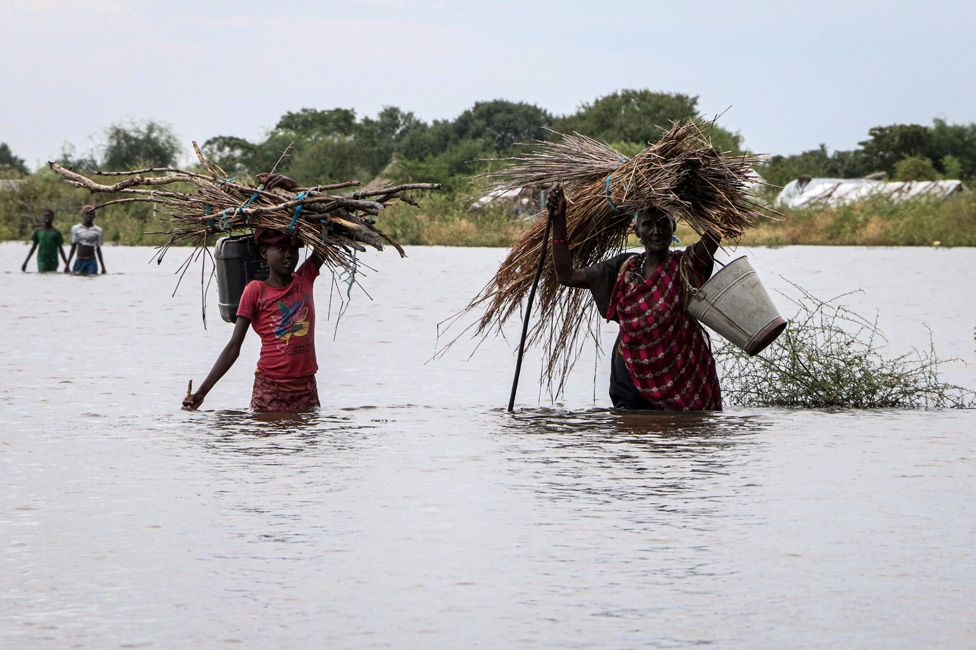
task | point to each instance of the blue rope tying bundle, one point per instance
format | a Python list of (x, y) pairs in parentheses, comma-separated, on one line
[(298, 211), (609, 200), (225, 219), (240, 210)]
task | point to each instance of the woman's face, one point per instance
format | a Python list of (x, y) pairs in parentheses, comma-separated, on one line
[(654, 231)]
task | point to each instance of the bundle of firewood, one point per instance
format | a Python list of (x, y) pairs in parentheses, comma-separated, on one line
[(198, 205)]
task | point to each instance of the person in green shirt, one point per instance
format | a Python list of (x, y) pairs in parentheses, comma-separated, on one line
[(47, 241)]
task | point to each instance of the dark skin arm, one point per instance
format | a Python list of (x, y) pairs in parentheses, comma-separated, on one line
[(562, 261), (704, 249), (101, 262), (23, 267), (67, 262), (223, 363), (316, 260)]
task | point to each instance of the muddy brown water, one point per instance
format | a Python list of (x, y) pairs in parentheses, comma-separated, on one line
[(413, 511)]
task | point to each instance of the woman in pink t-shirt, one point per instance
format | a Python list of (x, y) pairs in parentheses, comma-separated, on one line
[(282, 311)]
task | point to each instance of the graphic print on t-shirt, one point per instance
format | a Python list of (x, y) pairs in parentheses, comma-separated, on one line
[(292, 319)]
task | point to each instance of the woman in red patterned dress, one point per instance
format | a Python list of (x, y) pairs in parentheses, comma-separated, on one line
[(662, 357)]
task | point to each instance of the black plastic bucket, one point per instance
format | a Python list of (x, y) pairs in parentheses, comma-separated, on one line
[(238, 261)]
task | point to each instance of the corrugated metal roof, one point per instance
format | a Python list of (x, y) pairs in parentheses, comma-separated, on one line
[(827, 192)]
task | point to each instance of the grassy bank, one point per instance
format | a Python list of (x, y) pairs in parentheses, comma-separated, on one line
[(20, 212), (444, 219), (878, 222)]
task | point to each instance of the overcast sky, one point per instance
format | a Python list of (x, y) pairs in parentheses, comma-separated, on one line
[(794, 74)]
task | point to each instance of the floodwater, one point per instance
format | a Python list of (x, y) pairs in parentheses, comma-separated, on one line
[(413, 511)]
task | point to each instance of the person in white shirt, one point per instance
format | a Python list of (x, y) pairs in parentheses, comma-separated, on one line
[(86, 240)]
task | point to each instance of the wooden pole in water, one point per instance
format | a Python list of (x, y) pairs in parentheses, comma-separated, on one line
[(528, 311)]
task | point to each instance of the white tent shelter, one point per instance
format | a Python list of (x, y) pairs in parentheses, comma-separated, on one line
[(520, 200), (831, 192)]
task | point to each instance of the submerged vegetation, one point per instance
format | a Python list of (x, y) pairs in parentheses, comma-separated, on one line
[(831, 357)]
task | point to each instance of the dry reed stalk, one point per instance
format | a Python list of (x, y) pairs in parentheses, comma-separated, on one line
[(681, 174)]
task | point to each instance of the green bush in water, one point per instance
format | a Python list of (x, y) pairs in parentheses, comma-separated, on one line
[(831, 357)]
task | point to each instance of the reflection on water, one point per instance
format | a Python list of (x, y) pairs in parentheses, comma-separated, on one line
[(287, 432), (605, 456), (412, 511), (620, 425)]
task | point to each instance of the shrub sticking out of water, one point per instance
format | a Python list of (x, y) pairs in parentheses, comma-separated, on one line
[(829, 356)]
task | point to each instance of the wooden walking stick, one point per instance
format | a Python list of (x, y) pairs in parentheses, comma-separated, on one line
[(528, 311)]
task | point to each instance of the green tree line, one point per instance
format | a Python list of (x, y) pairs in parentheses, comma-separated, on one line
[(901, 151), (315, 145), (333, 144)]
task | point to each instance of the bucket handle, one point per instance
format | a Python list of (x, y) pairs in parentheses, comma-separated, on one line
[(692, 290)]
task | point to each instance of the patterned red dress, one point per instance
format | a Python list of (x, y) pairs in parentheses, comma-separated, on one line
[(662, 358)]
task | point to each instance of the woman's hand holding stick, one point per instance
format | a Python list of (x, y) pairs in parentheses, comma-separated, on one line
[(562, 260)]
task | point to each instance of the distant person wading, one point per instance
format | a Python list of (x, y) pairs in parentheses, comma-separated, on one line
[(48, 242), (86, 241)]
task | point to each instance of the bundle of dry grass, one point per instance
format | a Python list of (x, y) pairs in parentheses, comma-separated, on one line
[(681, 174), (199, 205)]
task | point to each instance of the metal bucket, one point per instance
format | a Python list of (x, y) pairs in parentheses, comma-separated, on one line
[(735, 304)]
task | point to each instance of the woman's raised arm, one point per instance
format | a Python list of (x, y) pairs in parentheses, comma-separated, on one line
[(562, 261)]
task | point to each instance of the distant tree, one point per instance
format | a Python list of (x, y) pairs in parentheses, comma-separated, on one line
[(453, 167), (499, 124), (328, 160), (952, 168), (886, 145), (423, 141), (780, 170), (148, 143), (957, 142), (233, 154), (71, 159), (629, 115), (312, 124), (378, 139), (11, 164), (276, 152), (395, 124), (915, 168), (848, 164)]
